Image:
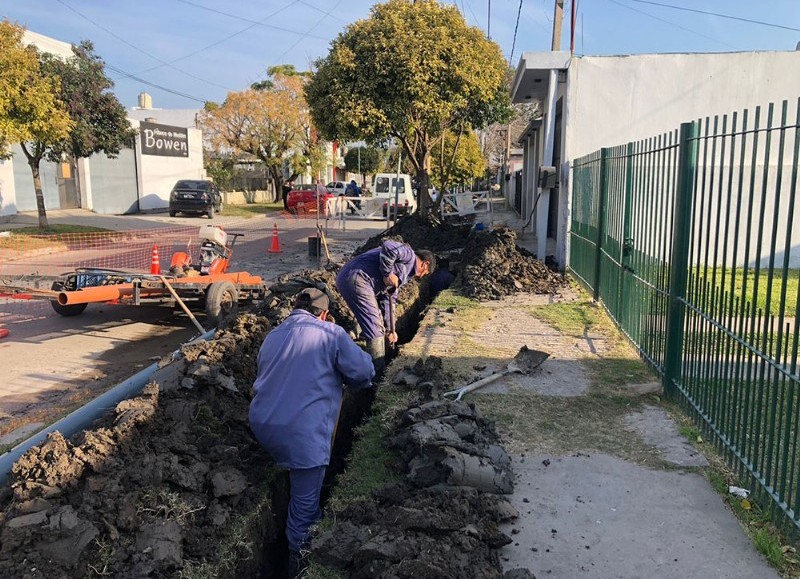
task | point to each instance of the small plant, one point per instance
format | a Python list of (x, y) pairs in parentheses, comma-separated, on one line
[(768, 544), (163, 504)]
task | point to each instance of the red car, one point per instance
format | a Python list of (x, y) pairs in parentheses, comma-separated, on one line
[(303, 199)]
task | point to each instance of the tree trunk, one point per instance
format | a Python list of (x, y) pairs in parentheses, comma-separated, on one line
[(37, 186)]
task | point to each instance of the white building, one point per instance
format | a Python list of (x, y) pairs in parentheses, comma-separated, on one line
[(601, 101), (167, 148)]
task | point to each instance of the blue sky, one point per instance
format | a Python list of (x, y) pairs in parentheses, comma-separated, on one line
[(206, 48)]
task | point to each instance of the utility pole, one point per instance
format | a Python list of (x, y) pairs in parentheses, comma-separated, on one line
[(489, 22), (558, 17), (573, 20)]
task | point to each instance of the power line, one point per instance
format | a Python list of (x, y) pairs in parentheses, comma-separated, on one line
[(514, 42), (139, 49), (224, 39), (154, 85), (718, 15), (243, 19), (672, 23), (321, 10), (299, 40)]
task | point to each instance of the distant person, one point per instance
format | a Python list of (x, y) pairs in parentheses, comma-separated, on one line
[(352, 190), (367, 283), (442, 277), (287, 187), (297, 396)]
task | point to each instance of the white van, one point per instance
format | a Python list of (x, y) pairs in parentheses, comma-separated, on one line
[(383, 187)]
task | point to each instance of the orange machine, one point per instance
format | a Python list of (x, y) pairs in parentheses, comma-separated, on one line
[(206, 285)]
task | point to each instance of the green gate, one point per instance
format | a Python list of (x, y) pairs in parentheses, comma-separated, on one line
[(688, 240)]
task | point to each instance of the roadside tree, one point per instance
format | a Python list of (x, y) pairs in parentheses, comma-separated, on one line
[(408, 73), (270, 123), (363, 160), (30, 110), (458, 160)]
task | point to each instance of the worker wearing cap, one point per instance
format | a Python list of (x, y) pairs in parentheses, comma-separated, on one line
[(297, 396), (368, 282)]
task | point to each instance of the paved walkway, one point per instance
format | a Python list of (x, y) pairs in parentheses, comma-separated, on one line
[(606, 486)]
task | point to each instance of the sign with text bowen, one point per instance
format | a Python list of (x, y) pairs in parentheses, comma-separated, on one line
[(164, 140)]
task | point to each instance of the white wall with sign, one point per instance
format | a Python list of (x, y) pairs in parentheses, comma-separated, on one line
[(162, 163)]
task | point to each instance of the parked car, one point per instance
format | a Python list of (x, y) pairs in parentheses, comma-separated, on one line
[(336, 187), (200, 197), (303, 199)]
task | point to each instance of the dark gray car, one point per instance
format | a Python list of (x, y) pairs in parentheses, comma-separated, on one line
[(200, 197)]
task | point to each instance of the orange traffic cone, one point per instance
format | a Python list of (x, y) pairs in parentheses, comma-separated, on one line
[(276, 243), (155, 266), (4, 332)]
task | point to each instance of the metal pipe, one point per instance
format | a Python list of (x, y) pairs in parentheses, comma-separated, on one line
[(84, 417)]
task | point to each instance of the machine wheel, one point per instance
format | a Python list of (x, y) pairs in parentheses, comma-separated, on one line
[(210, 212), (222, 303), (67, 311), (173, 213)]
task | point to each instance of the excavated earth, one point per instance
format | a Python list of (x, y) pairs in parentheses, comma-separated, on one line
[(172, 483)]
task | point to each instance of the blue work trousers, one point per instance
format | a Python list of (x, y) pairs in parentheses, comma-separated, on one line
[(304, 511), (359, 293)]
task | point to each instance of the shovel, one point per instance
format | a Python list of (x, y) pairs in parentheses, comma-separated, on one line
[(524, 362)]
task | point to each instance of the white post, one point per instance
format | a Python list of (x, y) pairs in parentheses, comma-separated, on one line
[(543, 207)]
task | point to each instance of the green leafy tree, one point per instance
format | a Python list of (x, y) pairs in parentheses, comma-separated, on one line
[(31, 112), (100, 121), (408, 73), (459, 160), (363, 160)]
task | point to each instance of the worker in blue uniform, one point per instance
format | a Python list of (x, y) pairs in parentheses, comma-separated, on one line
[(297, 397), (369, 281)]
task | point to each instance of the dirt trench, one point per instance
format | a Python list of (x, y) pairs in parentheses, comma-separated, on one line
[(172, 483)]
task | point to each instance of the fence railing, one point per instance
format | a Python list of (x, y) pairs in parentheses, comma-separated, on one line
[(689, 240)]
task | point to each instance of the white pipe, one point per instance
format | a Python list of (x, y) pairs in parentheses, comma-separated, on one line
[(84, 417)]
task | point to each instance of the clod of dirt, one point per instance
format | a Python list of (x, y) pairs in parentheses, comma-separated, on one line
[(154, 488), (444, 522), (493, 266), (422, 232)]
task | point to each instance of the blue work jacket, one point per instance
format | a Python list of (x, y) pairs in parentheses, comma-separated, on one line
[(298, 390)]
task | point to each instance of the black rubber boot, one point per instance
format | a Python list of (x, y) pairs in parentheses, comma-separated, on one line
[(297, 564), (376, 348)]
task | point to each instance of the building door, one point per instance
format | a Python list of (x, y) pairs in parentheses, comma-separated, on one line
[(66, 174)]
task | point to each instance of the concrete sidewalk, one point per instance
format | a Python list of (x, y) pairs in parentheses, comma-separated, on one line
[(606, 486)]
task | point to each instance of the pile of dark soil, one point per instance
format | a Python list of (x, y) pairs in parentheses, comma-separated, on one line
[(174, 481), (444, 521), (422, 233), (493, 266)]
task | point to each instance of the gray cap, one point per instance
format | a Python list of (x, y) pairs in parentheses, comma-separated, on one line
[(312, 297)]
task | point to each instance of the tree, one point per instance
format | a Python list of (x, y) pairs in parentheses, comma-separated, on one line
[(408, 73), (100, 121), (363, 160), (271, 124), (30, 111), (460, 160)]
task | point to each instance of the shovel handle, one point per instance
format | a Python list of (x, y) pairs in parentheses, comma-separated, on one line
[(475, 385)]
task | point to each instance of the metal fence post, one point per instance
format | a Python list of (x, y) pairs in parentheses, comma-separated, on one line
[(679, 254), (605, 153)]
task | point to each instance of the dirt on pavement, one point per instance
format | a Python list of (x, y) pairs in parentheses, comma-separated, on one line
[(174, 482)]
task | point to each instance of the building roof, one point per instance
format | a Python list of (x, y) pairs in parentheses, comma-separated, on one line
[(47, 44), (176, 117)]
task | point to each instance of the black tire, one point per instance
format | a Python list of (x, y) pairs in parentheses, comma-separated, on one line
[(66, 311), (222, 303), (172, 213), (210, 211)]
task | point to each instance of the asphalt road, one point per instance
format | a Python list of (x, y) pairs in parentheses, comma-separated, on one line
[(50, 364)]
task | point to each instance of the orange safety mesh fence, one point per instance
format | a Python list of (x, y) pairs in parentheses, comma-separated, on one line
[(36, 261)]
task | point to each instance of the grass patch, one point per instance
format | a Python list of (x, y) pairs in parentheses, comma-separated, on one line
[(712, 275), (54, 229), (250, 210), (769, 545), (574, 319), (615, 372)]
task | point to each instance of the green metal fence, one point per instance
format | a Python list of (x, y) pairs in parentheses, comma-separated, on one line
[(689, 240)]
